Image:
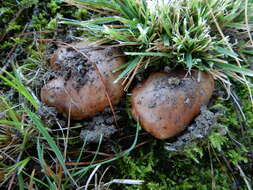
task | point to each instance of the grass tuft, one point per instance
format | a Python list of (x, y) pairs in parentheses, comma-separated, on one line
[(174, 31)]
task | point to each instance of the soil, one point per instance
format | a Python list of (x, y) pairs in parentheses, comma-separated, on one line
[(50, 116), (171, 83), (73, 65), (102, 124)]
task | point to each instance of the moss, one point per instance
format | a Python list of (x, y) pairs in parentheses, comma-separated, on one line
[(210, 163)]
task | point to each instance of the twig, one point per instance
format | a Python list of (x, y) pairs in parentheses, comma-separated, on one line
[(129, 136), (125, 181), (92, 152)]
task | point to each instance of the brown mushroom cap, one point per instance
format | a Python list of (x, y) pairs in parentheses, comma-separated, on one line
[(166, 103), (90, 96)]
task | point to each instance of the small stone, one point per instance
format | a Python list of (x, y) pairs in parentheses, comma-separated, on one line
[(187, 101), (174, 81), (152, 105)]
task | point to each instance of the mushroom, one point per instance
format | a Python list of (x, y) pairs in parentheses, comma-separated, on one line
[(166, 103), (79, 90)]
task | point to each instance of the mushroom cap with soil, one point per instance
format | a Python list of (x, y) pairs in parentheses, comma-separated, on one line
[(78, 89), (166, 103)]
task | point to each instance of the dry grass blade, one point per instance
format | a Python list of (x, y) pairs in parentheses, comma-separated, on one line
[(90, 178), (244, 177), (31, 183), (247, 21), (125, 181), (230, 48), (101, 10)]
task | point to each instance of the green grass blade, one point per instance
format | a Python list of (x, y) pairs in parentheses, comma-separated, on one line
[(35, 179), (40, 151), (49, 140), (247, 51), (114, 34), (94, 158), (21, 183), (226, 52), (130, 66), (18, 124), (47, 136), (19, 166), (188, 59), (112, 159), (18, 85), (23, 164), (234, 68), (11, 113)]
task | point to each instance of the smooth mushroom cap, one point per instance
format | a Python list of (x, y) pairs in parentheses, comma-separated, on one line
[(91, 97), (164, 109)]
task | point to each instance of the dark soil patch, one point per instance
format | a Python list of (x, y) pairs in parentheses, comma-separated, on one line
[(101, 125), (72, 65), (50, 116)]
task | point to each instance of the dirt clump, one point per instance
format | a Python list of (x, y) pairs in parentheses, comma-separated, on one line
[(50, 117), (100, 125), (70, 64)]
